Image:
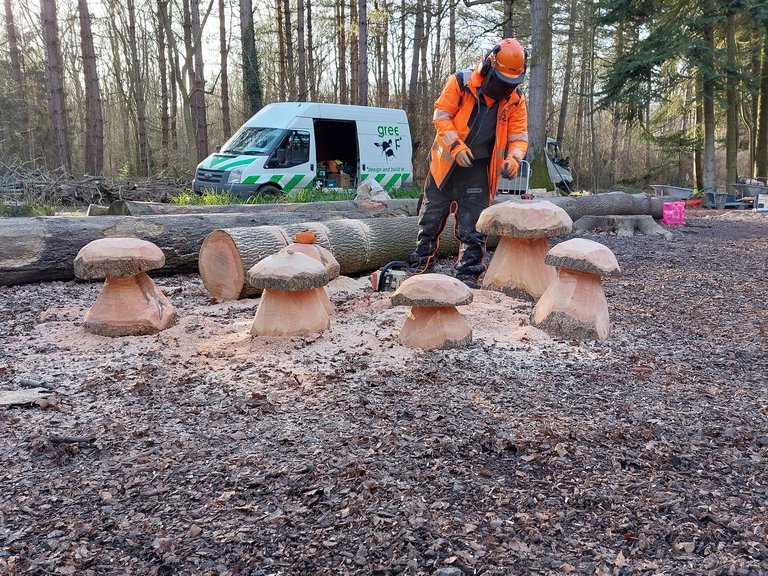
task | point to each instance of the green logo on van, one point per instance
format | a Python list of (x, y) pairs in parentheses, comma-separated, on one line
[(388, 131)]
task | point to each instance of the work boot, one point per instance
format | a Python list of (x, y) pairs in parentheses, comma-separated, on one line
[(421, 264)]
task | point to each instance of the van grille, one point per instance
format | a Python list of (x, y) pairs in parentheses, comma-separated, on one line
[(210, 176)]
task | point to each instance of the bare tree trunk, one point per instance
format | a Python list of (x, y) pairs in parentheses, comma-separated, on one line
[(403, 73), (311, 55), (188, 97), (354, 59), (94, 133), (761, 148), (201, 129), (385, 74), (567, 73), (19, 93), (290, 70), (698, 150), (423, 89), (163, 69), (709, 112), (731, 112), (173, 63), (615, 116), (362, 47), (342, 49), (418, 35), (138, 94), (224, 53), (282, 84), (452, 36), (508, 26), (302, 56), (55, 80), (539, 94)]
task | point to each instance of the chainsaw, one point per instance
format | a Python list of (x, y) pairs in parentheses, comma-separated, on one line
[(390, 276)]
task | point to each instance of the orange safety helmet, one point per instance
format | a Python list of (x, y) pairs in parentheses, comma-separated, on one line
[(508, 60)]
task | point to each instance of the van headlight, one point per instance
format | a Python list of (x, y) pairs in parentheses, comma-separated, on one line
[(235, 176)]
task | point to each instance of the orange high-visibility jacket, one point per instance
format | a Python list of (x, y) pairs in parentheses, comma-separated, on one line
[(451, 118)]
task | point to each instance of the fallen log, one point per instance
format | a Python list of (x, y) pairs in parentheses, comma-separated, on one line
[(359, 246), (625, 225), (609, 203), (43, 248), (393, 207)]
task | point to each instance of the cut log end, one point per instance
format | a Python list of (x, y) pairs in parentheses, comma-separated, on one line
[(435, 328), (221, 267)]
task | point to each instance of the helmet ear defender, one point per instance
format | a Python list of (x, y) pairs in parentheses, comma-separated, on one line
[(490, 60)]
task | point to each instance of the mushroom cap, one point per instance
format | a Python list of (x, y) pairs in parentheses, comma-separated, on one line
[(584, 255), (432, 290), (288, 272), (316, 252), (117, 258), (525, 219)]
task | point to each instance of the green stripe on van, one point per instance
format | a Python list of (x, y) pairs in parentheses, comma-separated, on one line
[(291, 184), (392, 181), (251, 179), (228, 163), (276, 179), (379, 177)]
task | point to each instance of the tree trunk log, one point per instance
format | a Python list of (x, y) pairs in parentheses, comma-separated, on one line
[(43, 248), (358, 245), (395, 207), (610, 203), (621, 225)]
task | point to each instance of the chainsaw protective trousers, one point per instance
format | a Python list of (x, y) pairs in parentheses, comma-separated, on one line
[(465, 192)]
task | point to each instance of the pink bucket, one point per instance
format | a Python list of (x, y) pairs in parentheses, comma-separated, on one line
[(673, 214)]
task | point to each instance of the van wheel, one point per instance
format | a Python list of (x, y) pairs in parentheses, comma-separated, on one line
[(270, 190)]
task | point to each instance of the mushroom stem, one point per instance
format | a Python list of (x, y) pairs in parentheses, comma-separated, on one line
[(283, 313), (434, 327), (573, 306), (517, 268), (130, 306)]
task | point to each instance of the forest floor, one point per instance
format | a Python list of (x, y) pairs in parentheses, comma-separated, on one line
[(202, 450)]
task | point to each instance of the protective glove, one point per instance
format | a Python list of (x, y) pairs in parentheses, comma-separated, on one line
[(509, 168), (462, 154), (464, 159)]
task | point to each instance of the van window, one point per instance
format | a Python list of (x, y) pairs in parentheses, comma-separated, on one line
[(253, 141), (292, 151)]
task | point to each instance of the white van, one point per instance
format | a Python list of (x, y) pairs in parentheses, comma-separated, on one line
[(295, 145)]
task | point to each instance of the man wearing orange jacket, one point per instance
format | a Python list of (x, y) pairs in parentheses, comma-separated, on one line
[(482, 133)]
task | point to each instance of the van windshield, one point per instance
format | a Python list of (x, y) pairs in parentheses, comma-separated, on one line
[(253, 141)]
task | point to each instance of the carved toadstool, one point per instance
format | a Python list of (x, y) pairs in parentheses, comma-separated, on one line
[(574, 304), (290, 303), (517, 268), (305, 244), (130, 303), (433, 321)]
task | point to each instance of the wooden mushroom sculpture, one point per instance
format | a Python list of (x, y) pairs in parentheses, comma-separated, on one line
[(304, 243), (433, 321), (574, 304), (290, 303), (130, 303), (517, 267)]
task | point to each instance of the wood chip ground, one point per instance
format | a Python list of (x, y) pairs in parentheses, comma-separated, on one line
[(203, 451)]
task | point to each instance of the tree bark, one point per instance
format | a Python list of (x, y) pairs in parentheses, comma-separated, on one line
[(541, 39), (17, 78), (709, 111), (251, 75), (761, 148), (201, 127), (731, 109), (359, 246), (313, 82), (395, 207), (341, 48), (609, 203), (55, 81), (138, 95), (362, 48), (354, 59), (43, 248), (290, 68), (226, 123), (163, 70), (302, 51), (567, 74)]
